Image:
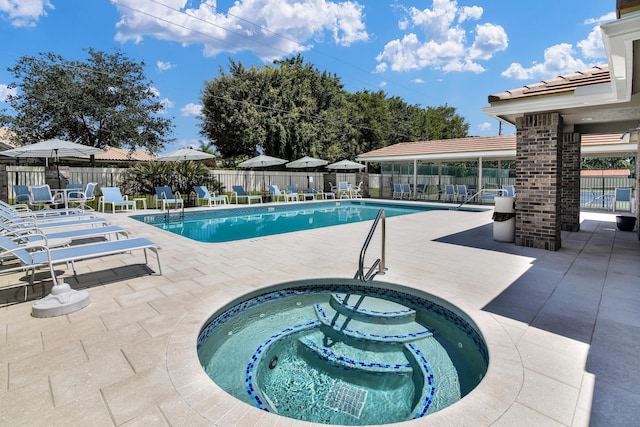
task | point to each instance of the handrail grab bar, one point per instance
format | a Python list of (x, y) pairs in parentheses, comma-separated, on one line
[(500, 191), (380, 263)]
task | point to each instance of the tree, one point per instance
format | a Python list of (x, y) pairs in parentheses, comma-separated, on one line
[(290, 109), (105, 100)]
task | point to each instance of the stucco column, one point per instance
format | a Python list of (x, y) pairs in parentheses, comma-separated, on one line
[(538, 169)]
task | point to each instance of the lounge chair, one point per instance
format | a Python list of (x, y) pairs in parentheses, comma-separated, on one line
[(449, 193), (293, 191), (203, 195), (22, 194), (324, 194), (42, 198), (622, 195), (239, 192), (165, 196), (112, 196), (35, 234), (277, 194), (25, 211), (43, 256), (81, 197)]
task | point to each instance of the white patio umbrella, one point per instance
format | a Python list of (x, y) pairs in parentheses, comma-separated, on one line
[(345, 165), (184, 154), (55, 148), (261, 161), (305, 163)]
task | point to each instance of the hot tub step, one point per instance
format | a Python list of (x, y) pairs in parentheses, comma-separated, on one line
[(367, 308), (342, 355), (381, 332)]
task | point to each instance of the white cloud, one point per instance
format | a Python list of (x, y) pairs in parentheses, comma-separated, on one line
[(164, 66), (484, 126), (418, 81), (489, 39), (440, 41), (381, 67), (24, 13), (558, 60), (562, 59), (166, 104), (191, 109), (382, 84), (5, 91), (601, 20), (281, 27), (593, 46)]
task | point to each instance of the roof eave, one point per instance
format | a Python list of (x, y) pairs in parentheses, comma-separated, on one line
[(618, 37)]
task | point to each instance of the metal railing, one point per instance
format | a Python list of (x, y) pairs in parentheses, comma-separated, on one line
[(380, 262), (495, 191)]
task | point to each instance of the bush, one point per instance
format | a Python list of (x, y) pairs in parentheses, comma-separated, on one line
[(180, 176)]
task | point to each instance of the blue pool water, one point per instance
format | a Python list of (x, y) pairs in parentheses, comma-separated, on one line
[(224, 225), (334, 352)]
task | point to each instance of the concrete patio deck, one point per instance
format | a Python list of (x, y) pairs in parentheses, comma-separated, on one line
[(563, 328)]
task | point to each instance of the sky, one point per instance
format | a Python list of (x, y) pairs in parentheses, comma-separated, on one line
[(429, 53)]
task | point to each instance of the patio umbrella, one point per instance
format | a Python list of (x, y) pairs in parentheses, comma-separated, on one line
[(183, 154), (345, 165), (261, 161), (305, 163), (55, 148)]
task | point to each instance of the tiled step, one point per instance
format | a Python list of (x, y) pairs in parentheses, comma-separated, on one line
[(345, 356), (371, 308), (381, 332)]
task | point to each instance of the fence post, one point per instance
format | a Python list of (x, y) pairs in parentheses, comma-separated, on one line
[(4, 183)]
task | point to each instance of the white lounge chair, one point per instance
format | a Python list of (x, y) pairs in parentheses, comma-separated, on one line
[(112, 196), (43, 256), (239, 192), (164, 195), (203, 195), (81, 197)]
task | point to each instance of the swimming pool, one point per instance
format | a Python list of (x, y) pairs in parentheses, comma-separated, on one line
[(334, 351), (224, 225)]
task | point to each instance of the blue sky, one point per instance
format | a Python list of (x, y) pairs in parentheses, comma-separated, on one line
[(429, 53)]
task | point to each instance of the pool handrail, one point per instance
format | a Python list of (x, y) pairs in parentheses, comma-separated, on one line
[(380, 262)]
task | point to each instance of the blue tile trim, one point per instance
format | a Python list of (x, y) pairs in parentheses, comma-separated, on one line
[(374, 313), (429, 389), (368, 336)]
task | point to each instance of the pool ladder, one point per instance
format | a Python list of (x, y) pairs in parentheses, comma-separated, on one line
[(167, 214), (380, 262)]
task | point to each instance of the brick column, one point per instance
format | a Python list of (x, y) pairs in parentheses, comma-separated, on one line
[(570, 182), (538, 168)]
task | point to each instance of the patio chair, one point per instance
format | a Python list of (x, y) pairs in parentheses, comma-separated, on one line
[(406, 191), (112, 196), (25, 211), (356, 191), (397, 191), (42, 198), (43, 256), (81, 197), (165, 196), (622, 195), (203, 195), (51, 221), (36, 234), (294, 191), (461, 193), (239, 192), (510, 190), (422, 190), (22, 194), (449, 193), (344, 189), (439, 191)]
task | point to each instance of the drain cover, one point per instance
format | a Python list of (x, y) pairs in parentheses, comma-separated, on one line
[(346, 398)]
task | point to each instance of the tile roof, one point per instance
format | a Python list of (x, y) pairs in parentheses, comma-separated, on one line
[(124, 155), (472, 146), (556, 86)]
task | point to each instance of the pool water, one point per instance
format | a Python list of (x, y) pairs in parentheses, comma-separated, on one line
[(343, 354), (223, 225)]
